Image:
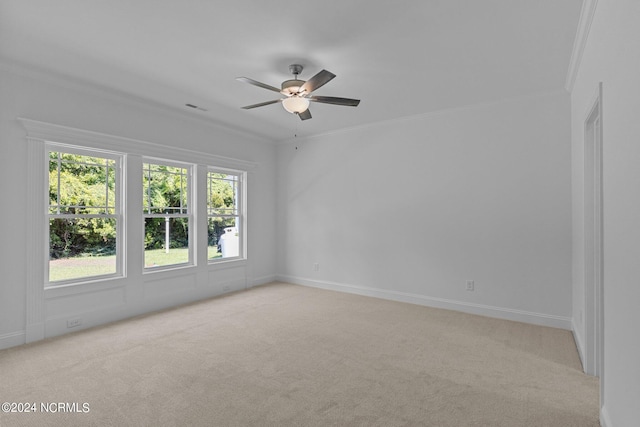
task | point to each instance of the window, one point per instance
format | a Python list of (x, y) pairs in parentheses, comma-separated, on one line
[(84, 215), (167, 216), (224, 211)]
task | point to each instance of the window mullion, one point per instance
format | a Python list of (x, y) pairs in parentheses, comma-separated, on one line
[(106, 186), (148, 188), (59, 172)]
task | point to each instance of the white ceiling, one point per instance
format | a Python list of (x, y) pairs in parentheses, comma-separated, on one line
[(401, 58)]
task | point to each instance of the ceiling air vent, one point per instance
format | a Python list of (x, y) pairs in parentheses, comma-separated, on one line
[(196, 107)]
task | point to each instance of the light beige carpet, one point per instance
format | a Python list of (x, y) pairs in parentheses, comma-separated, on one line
[(286, 355)]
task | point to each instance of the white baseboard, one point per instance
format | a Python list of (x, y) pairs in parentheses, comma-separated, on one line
[(257, 281), (34, 332), (579, 344), (12, 339), (465, 307), (604, 417)]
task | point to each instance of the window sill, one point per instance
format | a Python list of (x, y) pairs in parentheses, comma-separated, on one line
[(76, 288), (232, 263), (150, 274)]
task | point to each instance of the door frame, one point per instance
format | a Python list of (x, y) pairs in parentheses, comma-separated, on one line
[(593, 241)]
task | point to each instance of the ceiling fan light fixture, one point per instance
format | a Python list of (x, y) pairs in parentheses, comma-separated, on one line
[(295, 104), (298, 92)]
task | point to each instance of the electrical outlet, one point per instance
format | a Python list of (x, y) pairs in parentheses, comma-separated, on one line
[(226, 288), (72, 323), (470, 285), (316, 266)]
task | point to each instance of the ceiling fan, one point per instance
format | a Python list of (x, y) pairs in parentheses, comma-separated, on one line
[(298, 92)]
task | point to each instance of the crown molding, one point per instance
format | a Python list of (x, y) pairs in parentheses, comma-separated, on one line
[(428, 114), (582, 34), (42, 131), (87, 87)]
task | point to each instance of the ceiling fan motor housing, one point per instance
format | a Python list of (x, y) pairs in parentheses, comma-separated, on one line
[(295, 69), (291, 87)]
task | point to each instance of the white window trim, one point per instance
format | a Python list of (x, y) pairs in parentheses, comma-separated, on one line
[(242, 213), (119, 160), (190, 215)]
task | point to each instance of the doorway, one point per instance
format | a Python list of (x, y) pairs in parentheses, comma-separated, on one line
[(593, 243)]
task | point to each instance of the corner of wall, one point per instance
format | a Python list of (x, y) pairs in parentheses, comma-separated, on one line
[(578, 340), (604, 417), (582, 33)]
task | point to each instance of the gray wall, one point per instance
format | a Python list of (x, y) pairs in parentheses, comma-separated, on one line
[(28, 94), (411, 209)]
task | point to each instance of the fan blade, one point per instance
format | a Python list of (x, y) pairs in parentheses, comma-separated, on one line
[(305, 115), (262, 104), (257, 83), (336, 101), (317, 81)]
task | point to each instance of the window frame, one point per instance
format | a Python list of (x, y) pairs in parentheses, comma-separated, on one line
[(241, 214), (118, 215), (190, 215)]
